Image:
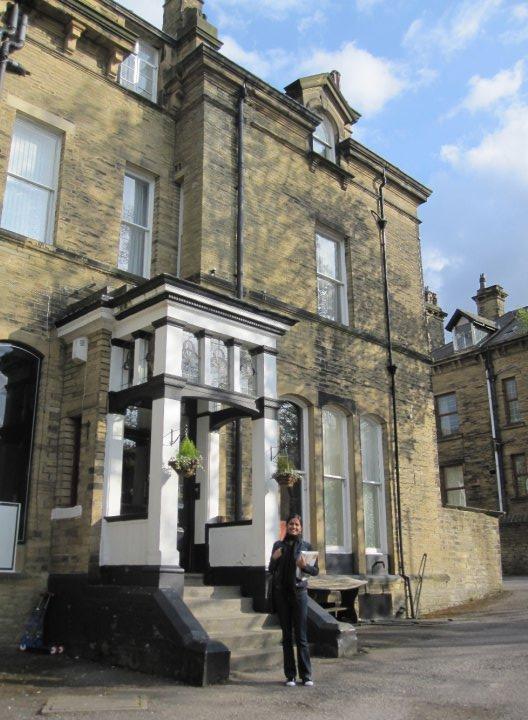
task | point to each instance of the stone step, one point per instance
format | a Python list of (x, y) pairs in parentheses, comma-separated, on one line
[(211, 607), (245, 621), (193, 579), (251, 660), (208, 591), (267, 638)]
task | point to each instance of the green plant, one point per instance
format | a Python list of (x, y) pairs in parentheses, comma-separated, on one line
[(286, 474), (188, 459), (522, 315)]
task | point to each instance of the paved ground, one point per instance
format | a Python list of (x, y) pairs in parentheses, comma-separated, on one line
[(472, 667)]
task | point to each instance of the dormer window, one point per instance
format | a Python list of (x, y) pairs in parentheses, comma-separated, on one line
[(324, 140), (466, 335), (139, 72)]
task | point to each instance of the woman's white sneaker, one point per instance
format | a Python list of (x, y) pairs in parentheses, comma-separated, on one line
[(291, 683), (308, 683)]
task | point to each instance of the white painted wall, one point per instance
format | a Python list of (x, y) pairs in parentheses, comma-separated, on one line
[(232, 547), (124, 543)]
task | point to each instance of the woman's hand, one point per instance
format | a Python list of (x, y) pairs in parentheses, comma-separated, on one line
[(301, 562), (277, 554)]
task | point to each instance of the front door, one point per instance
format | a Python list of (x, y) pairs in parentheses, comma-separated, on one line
[(187, 495)]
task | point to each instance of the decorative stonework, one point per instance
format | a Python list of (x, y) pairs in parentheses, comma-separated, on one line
[(74, 30)]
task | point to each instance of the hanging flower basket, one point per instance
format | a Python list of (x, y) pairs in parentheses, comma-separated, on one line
[(286, 474), (187, 460), (184, 469)]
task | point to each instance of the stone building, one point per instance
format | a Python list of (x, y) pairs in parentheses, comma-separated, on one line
[(481, 394), (188, 250)]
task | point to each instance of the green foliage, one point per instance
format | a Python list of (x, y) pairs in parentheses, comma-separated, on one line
[(188, 449), (188, 459), (284, 465), (522, 315)]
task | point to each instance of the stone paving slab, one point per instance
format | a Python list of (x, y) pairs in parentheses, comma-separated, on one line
[(115, 702)]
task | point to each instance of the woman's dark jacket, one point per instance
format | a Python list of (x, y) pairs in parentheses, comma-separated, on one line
[(275, 566)]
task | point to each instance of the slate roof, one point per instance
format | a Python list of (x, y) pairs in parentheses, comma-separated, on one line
[(508, 327)]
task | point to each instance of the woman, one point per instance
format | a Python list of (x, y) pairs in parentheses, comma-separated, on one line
[(290, 598)]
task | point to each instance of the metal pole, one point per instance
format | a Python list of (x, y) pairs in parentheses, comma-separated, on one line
[(392, 368)]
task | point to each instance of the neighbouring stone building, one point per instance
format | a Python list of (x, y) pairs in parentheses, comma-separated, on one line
[(481, 392), (187, 249)]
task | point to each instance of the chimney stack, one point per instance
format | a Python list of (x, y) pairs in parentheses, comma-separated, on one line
[(185, 20), (434, 318), (490, 300)]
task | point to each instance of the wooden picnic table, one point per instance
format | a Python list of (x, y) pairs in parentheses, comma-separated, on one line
[(322, 586)]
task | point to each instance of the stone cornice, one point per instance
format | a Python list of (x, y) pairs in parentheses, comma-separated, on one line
[(353, 150)]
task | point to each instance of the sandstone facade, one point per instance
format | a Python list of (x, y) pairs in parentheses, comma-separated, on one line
[(184, 140)]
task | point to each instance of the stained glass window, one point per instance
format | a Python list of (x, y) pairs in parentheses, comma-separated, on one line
[(190, 357)]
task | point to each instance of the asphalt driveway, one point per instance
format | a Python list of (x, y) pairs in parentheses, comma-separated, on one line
[(470, 667)]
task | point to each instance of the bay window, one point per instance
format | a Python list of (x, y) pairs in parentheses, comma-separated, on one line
[(375, 516), (336, 484)]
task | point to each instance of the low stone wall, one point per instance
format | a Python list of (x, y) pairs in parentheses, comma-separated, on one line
[(467, 549), (514, 544)]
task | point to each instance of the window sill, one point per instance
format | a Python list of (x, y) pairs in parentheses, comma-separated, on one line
[(453, 436), (513, 425), (315, 160), (520, 499), (479, 511), (126, 518)]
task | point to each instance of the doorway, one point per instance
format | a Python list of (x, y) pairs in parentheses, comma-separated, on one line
[(187, 496)]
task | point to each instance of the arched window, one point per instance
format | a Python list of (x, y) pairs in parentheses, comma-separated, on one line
[(324, 140), (19, 373), (336, 482), (373, 486), (293, 443)]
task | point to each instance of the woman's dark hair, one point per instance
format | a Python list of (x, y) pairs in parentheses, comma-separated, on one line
[(294, 516)]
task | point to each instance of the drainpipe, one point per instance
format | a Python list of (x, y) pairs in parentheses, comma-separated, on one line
[(241, 197), (495, 431), (240, 280), (392, 368)]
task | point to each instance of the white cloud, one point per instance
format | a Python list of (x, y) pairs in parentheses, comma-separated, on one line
[(435, 264), (486, 92), (519, 25), (258, 63), (520, 12), (501, 153), (455, 29), (276, 9), (367, 5), (308, 21), (368, 82)]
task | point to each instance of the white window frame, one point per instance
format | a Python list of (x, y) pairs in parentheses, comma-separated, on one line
[(346, 548), (456, 488), (147, 251), (382, 492), (512, 417), (339, 281), (328, 142), (52, 189), (305, 456), (134, 86), (440, 415)]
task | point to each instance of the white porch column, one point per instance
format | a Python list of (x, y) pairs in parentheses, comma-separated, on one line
[(163, 486), (204, 354), (208, 477), (168, 347), (115, 433), (233, 349), (265, 446)]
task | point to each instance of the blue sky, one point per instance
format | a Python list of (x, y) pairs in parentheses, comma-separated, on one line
[(443, 90)]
